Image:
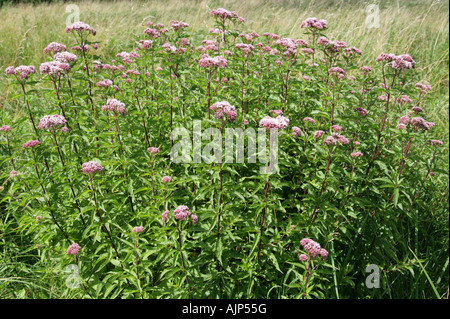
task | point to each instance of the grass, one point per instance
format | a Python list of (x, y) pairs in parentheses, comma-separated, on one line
[(419, 28)]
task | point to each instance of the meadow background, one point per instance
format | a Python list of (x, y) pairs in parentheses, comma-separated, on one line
[(419, 28)]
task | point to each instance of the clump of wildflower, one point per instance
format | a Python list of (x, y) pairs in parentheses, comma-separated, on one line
[(31, 144), (424, 88), (153, 150), (314, 23), (21, 72), (5, 128), (181, 212), (52, 122), (166, 179), (54, 69), (417, 109), (356, 154), (64, 129), (81, 28), (194, 218), (217, 61), (138, 229), (402, 62), (73, 249), (91, 167), (178, 25), (418, 122), (114, 105), (104, 83), (279, 122), (145, 44), (318, 134), (165, 215), (13, 173), (309, 120), (54, 47), (313, 249), (224, 108), (296, 132), (65, 57), (336, 128), (401, 126)]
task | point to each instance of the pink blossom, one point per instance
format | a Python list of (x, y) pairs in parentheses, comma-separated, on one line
[(336, 128), (138, 229), (65, 57), (417, 109), (181, 212), (80, 28), (194, 218), (356, 154), (314, 23), (91, 167), (401, 126), (323, 253), (13, 173), (318, 134), (303, 257), (224, 108), (153, 150), (296, 131), (5, 128), (64, 129), (55, 47), (73, 249), (309, 120), (52, 122), (31, 143), (166, 179)]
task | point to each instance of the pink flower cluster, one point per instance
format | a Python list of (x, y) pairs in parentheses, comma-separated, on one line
[(356, 154), (114, 105), (334, 138), (296, 132), (399, 62), (5, 128), (55, 47), (154, 33), (21, 72), (145, 44), (279, 122), (138, 229), (178, 25), (80, 28), (314, 23), (104, 83), (217, 61), (181, 212), (166, 179), (309, 120), (73, 249), (65, 57), (54, 69), (424, 88), (91, 167), (52, 122), (153, 150), (31, 143), (225, 14), (224, 108), (313, 249)]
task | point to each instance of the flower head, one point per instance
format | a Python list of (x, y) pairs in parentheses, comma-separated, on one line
[(181, 212), (31, 143), (138, 229), (73, 249), (52, 122), (91, 167)]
